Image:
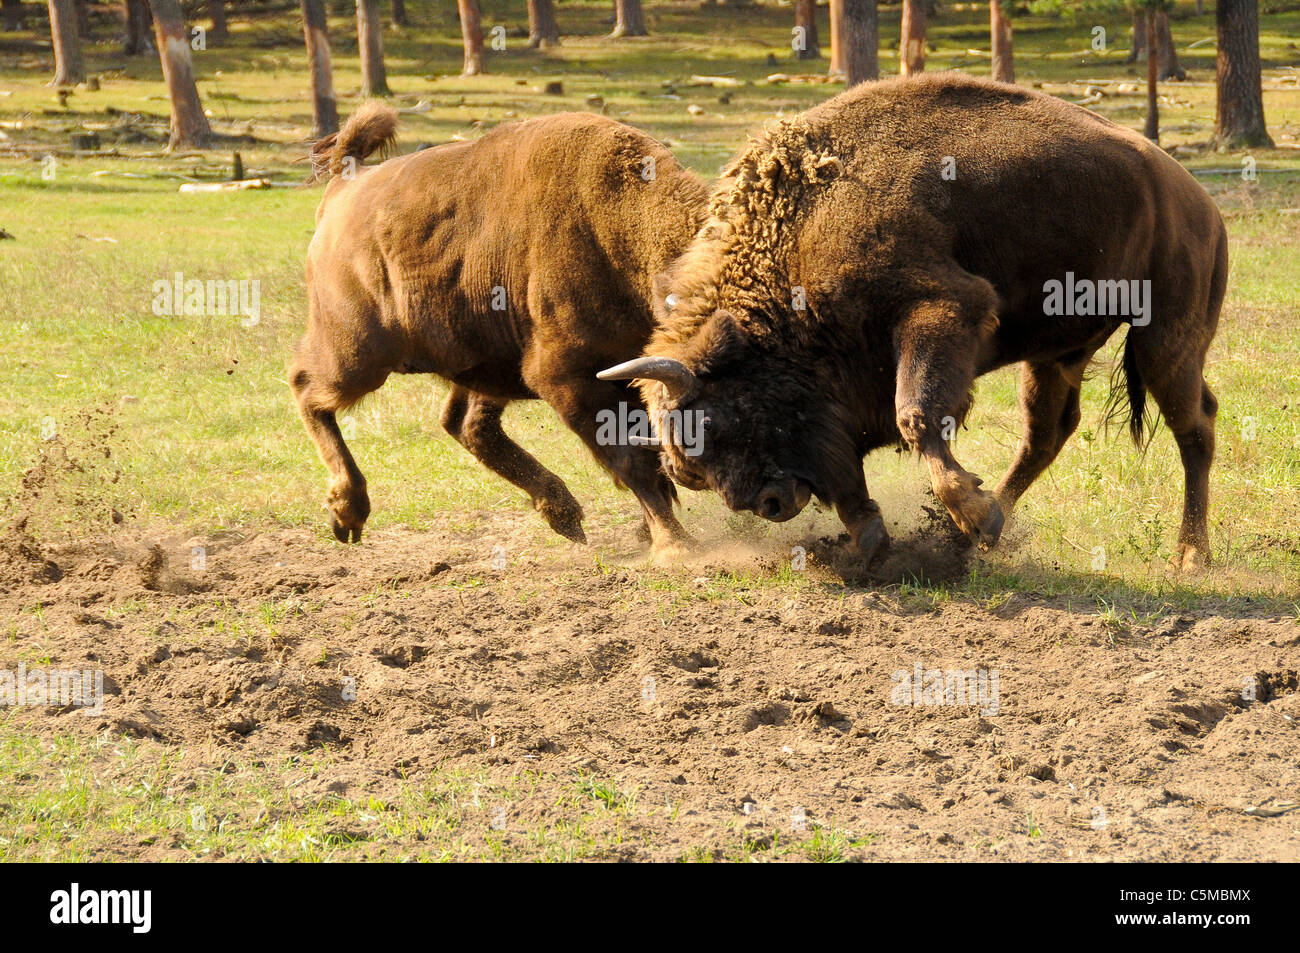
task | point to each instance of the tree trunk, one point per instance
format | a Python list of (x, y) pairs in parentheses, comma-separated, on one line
[(324, 107), (543, 31), (1004, 64), (68, 67), (189, 126), (399, 13), (1138, 43), (219, 32), (911, 43), (472, 34), (808, 44), (837, 15), (370, 41), (13, 15), (628, 19), (83, 19), (859, 41), (1239, 113), (1152, 130), (1169, 68), (139, 24)]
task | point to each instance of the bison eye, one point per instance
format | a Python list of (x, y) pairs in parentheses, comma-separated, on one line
[(706, 424)]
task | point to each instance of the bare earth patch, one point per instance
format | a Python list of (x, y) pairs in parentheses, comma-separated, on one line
[(734, 710)]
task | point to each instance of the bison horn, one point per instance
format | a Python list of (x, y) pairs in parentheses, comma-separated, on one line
[(674, 375)]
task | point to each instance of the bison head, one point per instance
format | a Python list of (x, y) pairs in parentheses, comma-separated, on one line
[(760, 425)]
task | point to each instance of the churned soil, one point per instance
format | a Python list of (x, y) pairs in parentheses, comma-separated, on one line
[(765, 702)]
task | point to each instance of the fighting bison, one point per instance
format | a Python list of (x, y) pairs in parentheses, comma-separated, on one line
[(514, 266), (865, 261)]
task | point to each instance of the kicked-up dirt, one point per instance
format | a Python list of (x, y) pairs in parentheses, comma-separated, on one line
[(1017, 728)]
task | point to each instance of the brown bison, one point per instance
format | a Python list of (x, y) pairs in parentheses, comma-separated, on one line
[(865, 261), (515, 267)]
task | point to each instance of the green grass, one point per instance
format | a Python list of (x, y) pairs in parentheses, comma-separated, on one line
[(206, 435)]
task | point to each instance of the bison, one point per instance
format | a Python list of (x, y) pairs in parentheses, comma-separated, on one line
[(866, 260), (514, 266)]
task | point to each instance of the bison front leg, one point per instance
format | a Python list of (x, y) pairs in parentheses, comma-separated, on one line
[(937, 345), (861, 517), (475, 421), (582, 402)]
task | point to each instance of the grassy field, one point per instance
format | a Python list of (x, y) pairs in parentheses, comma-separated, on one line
[(187, 422)]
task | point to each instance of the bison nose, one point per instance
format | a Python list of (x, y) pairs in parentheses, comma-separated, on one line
[(770, 507)]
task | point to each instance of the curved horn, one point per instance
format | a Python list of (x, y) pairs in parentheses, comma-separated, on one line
[(674, 375)]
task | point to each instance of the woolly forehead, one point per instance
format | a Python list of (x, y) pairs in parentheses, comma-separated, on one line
[(736, 259)]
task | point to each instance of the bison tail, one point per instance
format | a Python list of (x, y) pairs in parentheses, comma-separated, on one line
[(1134, 395), (371, 128)]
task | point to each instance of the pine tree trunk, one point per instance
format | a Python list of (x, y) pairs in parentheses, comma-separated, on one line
[(805, 19), (1004, 64), (911, 43), (69, 70), (543, 31), (324, 107), (219, 32), (471, 32), (1152, 130), (859, 41), (139, 24), (370, 41), (1138, 42), (1239, 114), (837, 40), (629, 20), (1169, 67), (189, 126), (13, 15), (399, 13)]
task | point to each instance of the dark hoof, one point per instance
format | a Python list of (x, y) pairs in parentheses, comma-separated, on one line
[(991, 529), (569, 526), (343, 534), (565, 518), (873, 542)]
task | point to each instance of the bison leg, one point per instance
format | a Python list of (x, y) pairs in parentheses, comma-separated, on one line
[(1189, 408), (475, 421), (938, 344), (320, 397), (579, 402), (1049, 404)]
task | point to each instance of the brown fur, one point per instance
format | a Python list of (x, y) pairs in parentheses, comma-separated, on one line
[(915, 285), (553, 217)]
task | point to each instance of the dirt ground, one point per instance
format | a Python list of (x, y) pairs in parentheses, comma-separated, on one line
[(754, 707)]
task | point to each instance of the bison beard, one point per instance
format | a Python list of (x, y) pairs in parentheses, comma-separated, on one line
[(865, 261), (515, 266)]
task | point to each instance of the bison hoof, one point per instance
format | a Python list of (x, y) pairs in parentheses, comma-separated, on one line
[(1189, 557), (565, 518), (671, 553), (345, 534), (873, 541), (990, 528)]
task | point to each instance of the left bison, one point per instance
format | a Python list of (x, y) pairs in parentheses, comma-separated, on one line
[(515, 266)]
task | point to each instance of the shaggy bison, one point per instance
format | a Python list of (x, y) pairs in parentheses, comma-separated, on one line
[(865, 261), (514, 266)]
